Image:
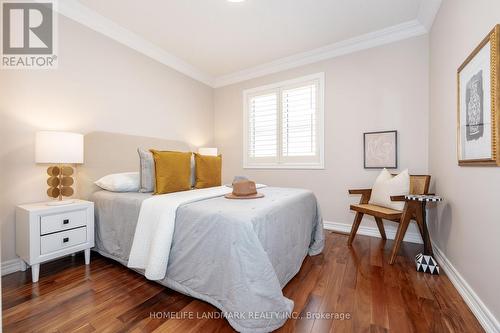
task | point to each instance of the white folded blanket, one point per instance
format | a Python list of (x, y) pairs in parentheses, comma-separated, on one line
[(155, 228)]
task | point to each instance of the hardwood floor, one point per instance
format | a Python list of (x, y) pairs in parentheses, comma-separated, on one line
[(358, 282)]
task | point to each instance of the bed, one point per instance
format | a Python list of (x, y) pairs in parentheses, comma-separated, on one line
[(235, 254)]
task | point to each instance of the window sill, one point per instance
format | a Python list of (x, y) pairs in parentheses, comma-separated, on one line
[(286, 166)]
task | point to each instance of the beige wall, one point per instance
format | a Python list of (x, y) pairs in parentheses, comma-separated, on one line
[(468, 223), (99, 85), (383, 88)]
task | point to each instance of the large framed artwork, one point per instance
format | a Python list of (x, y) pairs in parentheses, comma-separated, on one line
[(380, 150), (478, 102)]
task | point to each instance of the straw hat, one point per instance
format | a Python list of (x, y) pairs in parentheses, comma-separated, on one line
[(244, 189)]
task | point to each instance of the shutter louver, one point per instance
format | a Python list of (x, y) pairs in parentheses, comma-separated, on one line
[(299, 121), (263, 126)]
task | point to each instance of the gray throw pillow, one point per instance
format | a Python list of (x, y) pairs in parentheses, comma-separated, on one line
[(147, 170)]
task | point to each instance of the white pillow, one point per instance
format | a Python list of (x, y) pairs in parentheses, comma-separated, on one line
[(387, 185), (120, 182)]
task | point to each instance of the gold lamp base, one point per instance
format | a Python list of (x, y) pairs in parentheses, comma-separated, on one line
[(60, 182)]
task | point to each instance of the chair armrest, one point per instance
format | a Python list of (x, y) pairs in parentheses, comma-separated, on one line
[(398, 198), (361, 191), (365, 194)]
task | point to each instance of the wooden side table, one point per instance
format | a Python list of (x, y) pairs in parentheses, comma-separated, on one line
[(425, 261)]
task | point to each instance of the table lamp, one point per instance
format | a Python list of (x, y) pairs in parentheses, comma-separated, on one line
[(59, 149), (207, 151)]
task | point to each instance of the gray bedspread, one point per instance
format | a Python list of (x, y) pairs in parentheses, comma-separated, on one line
[(235, 254)]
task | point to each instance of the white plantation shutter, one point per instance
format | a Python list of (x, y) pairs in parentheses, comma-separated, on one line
[(284, 124), (262, 118), (299, 121)]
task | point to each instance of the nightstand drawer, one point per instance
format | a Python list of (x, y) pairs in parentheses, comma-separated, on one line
[(60, 222), (61, 240)]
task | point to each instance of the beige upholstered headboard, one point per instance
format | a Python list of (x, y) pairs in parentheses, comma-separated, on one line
[(107, 153)]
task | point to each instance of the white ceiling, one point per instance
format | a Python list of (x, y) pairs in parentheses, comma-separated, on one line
[(218, 38)]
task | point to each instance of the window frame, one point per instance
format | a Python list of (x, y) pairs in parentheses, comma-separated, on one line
[(281, 162)]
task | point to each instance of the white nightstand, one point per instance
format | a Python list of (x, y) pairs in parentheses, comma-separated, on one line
[(46, 232)]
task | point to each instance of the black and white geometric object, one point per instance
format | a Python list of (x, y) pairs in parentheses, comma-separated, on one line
[(423, 197), (426, 264)]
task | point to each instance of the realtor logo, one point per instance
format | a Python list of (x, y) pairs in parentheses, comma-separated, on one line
[(28, 32)]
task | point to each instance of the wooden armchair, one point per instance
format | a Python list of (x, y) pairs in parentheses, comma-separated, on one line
[(419, 184)]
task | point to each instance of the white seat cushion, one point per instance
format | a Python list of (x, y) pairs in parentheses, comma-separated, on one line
[(386, 186)]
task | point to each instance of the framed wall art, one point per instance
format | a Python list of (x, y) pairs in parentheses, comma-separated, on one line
[(380, 150), (478, 103)]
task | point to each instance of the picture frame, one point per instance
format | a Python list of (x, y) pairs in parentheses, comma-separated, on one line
[(478, 114), (380, 150)]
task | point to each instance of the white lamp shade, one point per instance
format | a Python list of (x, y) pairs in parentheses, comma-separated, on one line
[(207, 151), (58, 147)]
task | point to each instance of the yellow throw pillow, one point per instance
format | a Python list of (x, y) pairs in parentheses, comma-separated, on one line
[(173, 171), (208, 170)]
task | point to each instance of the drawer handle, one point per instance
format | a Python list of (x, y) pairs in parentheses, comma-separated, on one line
[(66, 221), (65, 239)]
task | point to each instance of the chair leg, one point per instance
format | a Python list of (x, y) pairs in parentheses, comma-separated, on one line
[(403, 225), (380, 226), (420, 226), (420, 229), (355, 226)]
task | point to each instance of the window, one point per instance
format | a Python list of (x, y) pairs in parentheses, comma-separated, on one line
[(283, 124)]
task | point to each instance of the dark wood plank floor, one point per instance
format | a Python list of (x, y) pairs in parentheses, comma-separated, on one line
[(357, 282)]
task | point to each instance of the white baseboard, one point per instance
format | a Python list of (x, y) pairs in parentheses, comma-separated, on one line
[(478, 308), (390, 232), (11, 266)]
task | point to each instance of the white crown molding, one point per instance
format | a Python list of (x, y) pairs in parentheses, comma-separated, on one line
[(82, 14), (427, 12), (390, 231), (421, 25), (366, 41), (476, 305)]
